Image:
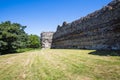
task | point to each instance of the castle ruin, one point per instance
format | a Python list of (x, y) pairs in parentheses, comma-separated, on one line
[(46, 39), (98, 30)]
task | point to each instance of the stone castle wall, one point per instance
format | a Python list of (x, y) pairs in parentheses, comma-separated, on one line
[(98, 30), (46, 39)]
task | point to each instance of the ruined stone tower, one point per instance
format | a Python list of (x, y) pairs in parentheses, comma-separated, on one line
[(46, 39)]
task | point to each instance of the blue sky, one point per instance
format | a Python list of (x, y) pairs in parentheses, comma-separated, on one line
[(45, 15)]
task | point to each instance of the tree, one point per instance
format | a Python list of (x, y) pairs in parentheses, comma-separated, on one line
[(12, 37), (33, 41)]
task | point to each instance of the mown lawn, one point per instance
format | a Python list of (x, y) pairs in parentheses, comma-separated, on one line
[(59, 64)]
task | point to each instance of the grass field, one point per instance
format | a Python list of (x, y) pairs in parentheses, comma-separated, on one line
[(59, 64)]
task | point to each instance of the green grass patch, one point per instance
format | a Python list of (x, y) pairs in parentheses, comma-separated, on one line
[(26, 49), (60, 64)]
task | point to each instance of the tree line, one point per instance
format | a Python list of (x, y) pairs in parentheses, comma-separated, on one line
[(13, 37)]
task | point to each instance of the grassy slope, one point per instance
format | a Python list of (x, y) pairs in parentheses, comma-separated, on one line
[(59, 65)]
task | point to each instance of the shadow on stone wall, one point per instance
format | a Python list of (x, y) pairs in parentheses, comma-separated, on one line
[(105, 53)]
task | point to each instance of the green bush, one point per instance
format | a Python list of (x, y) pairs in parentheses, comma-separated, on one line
[(33, 41)]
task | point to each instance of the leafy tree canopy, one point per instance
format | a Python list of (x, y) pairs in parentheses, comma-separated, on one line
[(12, 37), (34, 41)]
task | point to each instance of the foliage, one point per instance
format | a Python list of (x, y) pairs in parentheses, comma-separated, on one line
[(33, 41), (12, 36)]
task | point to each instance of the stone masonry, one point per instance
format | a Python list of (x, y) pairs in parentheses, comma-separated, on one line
[(46, 39), (98, 30)]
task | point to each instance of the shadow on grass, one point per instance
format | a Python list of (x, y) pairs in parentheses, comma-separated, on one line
[(19, 51), (5, 53), (105, 53)]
